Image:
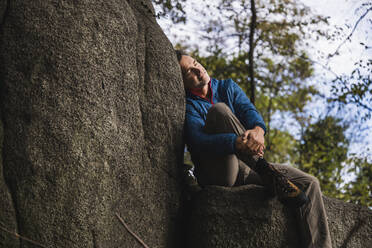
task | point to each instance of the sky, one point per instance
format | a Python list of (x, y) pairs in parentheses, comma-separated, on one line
[(343, 14)]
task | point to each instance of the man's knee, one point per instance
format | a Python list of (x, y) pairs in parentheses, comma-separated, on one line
[(311, 179), (313, 182)]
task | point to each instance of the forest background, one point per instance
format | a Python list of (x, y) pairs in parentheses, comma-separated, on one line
[(307, 67)]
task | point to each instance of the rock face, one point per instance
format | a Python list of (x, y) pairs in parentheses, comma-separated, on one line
[(244, 217), (7, 211), (92, 108)]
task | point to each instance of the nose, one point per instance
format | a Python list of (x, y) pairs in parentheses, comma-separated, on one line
[(197, 71)]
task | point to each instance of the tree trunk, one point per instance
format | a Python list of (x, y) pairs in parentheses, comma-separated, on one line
[(251, 50)]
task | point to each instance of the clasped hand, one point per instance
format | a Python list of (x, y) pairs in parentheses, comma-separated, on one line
[(252, 142)]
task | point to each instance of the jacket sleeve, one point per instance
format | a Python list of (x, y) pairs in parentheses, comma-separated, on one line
[(245, 111), (201, 142)]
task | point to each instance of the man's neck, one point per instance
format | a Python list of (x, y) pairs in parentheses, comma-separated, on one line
[(202, 92), (205, 91)]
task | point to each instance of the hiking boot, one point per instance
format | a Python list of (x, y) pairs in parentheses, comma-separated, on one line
[(288, 193)]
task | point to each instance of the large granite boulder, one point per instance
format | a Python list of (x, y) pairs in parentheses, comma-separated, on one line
[(7, 211), (92, 108), (244, 216)]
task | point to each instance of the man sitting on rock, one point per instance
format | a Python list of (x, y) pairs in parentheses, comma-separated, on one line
[(225, 136)]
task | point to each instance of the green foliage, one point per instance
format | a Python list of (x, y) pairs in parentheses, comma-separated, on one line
[(355, 89), (359, 190), (323, 153), (283, 149)]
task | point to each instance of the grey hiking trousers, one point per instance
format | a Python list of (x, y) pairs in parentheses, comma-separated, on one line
[(230, 171)]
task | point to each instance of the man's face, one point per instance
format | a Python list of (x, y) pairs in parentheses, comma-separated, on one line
[(194, 74)]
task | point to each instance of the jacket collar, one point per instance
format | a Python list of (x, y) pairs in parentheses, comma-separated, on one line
[(212, 88)]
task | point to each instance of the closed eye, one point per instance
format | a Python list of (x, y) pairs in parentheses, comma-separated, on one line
[(188, 71)]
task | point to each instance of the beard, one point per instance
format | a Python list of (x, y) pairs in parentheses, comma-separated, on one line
[(203, 81), (201, 84)]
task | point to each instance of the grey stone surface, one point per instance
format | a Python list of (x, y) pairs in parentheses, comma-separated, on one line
[(350, 225), (7, 212), (3, 7), (244, 217), (92, 106)]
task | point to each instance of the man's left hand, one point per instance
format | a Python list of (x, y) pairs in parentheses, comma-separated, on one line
[(255, 140)]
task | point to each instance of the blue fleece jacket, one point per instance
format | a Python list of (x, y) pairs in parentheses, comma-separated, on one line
[(231, 94)]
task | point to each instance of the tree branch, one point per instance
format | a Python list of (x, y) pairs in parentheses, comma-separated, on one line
[(21, 237), (131, 232), (349, 36)]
